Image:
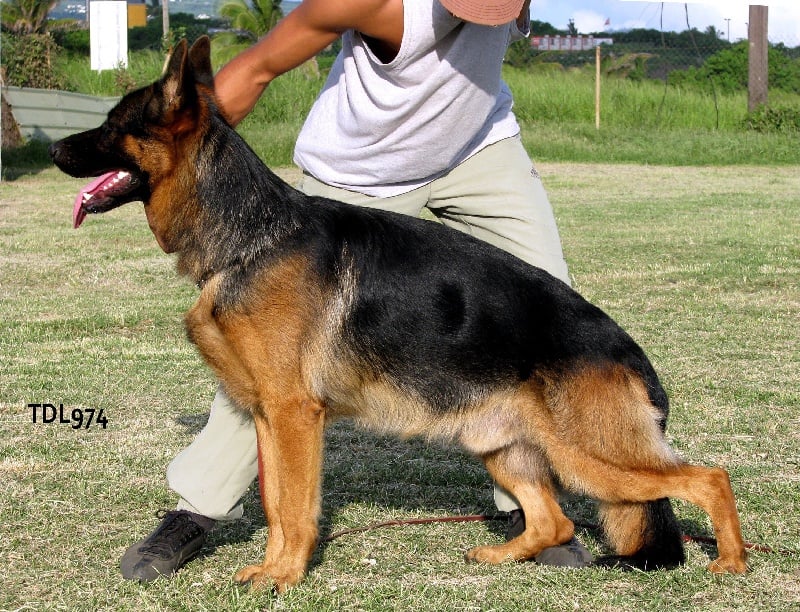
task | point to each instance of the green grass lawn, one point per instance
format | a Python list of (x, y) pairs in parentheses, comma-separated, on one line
[(700, 264)]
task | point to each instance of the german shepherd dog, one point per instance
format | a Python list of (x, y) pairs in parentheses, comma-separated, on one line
[(311, 310)]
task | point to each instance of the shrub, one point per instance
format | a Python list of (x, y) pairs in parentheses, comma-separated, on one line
[(766, 119), (729, 70), (76, 41), (28, 61), (150, 36)]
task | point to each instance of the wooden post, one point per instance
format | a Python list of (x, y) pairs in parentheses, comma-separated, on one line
[(165, 23), (758, 64), (597, 87)]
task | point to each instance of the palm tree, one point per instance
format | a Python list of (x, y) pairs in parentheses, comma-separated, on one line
[(248, 24), (252, 21), (26, 16)]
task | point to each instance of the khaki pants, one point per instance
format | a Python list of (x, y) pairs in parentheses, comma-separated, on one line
[(496, 196)]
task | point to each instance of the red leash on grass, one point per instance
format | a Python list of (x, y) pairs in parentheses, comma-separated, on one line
[(498, 517)]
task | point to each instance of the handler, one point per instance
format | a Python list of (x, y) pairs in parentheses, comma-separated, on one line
[(414, 114)]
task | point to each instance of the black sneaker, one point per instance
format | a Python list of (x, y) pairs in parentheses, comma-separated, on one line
[(175, 542), (571, 554)]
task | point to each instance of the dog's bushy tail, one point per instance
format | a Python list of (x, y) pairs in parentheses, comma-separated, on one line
[(645, 536)]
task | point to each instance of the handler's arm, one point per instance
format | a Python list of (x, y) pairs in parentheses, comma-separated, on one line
[(299, 36), (524, 17)]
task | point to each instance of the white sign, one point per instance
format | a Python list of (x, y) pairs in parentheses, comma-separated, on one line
[(108, 34)]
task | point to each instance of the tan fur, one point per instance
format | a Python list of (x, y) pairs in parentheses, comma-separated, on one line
[(624, 525), (272, 333)]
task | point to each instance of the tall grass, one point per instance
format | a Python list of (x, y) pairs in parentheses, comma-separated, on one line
[(548, 141), (640, 122), (143, 68), (643, 122), (569, 97)]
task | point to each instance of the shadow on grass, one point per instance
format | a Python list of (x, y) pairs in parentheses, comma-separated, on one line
[(30, 158), (404, 477)]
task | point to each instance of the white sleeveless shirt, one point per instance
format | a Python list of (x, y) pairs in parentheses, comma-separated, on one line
[(386, 128)]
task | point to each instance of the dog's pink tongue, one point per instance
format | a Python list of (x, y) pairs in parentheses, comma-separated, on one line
[(78, 213)]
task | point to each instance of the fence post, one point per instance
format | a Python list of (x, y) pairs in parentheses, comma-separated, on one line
[(758, 63), (597, 87)]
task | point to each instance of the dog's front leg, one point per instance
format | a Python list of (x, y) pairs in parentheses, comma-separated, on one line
[(205, 330), (270, 494), (290, 440)]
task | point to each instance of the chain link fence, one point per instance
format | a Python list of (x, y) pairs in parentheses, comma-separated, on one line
[(677, 58)]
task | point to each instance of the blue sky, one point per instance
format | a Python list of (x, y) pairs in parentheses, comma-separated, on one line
[(591, 15)]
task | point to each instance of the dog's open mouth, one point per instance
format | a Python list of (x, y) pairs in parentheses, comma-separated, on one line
[(105, 193)]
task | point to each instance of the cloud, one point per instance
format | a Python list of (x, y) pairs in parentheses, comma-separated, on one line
[(589, 21), (727, 16)]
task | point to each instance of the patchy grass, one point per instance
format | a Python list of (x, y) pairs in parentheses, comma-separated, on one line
[(699, 264)]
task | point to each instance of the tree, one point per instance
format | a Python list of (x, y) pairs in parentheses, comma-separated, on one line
[(571, 28), (24, 17), (541, 28), (729, 70), (249, 23), (28, 48), (253, 21)]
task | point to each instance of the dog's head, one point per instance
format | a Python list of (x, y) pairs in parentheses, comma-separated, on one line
[(143, 136)]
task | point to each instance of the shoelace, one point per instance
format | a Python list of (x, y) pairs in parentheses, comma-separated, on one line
[(176, 529)]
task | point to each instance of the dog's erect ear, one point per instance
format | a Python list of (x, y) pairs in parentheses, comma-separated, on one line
[(184, 70), (176, 97), (200, 61), (175, 59), (174, 86)]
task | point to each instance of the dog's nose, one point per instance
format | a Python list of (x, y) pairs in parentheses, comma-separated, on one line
[(58, 153)]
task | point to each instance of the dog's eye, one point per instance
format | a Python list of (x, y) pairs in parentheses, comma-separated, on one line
[(107, 131), (110, 128)]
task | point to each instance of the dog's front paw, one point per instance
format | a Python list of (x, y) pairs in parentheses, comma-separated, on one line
[(260, 577), (734, 565), (257, 576), (489, 554)]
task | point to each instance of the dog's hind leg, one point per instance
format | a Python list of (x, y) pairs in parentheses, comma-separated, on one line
[(643, 535), (708, 488), (603, 437), (622, 460), (519, 470)]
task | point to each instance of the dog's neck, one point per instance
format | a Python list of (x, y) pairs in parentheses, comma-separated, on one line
[(243, 210)]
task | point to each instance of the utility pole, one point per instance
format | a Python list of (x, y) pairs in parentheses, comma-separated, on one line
[(165, 22), (727, 19), (758, 64)]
